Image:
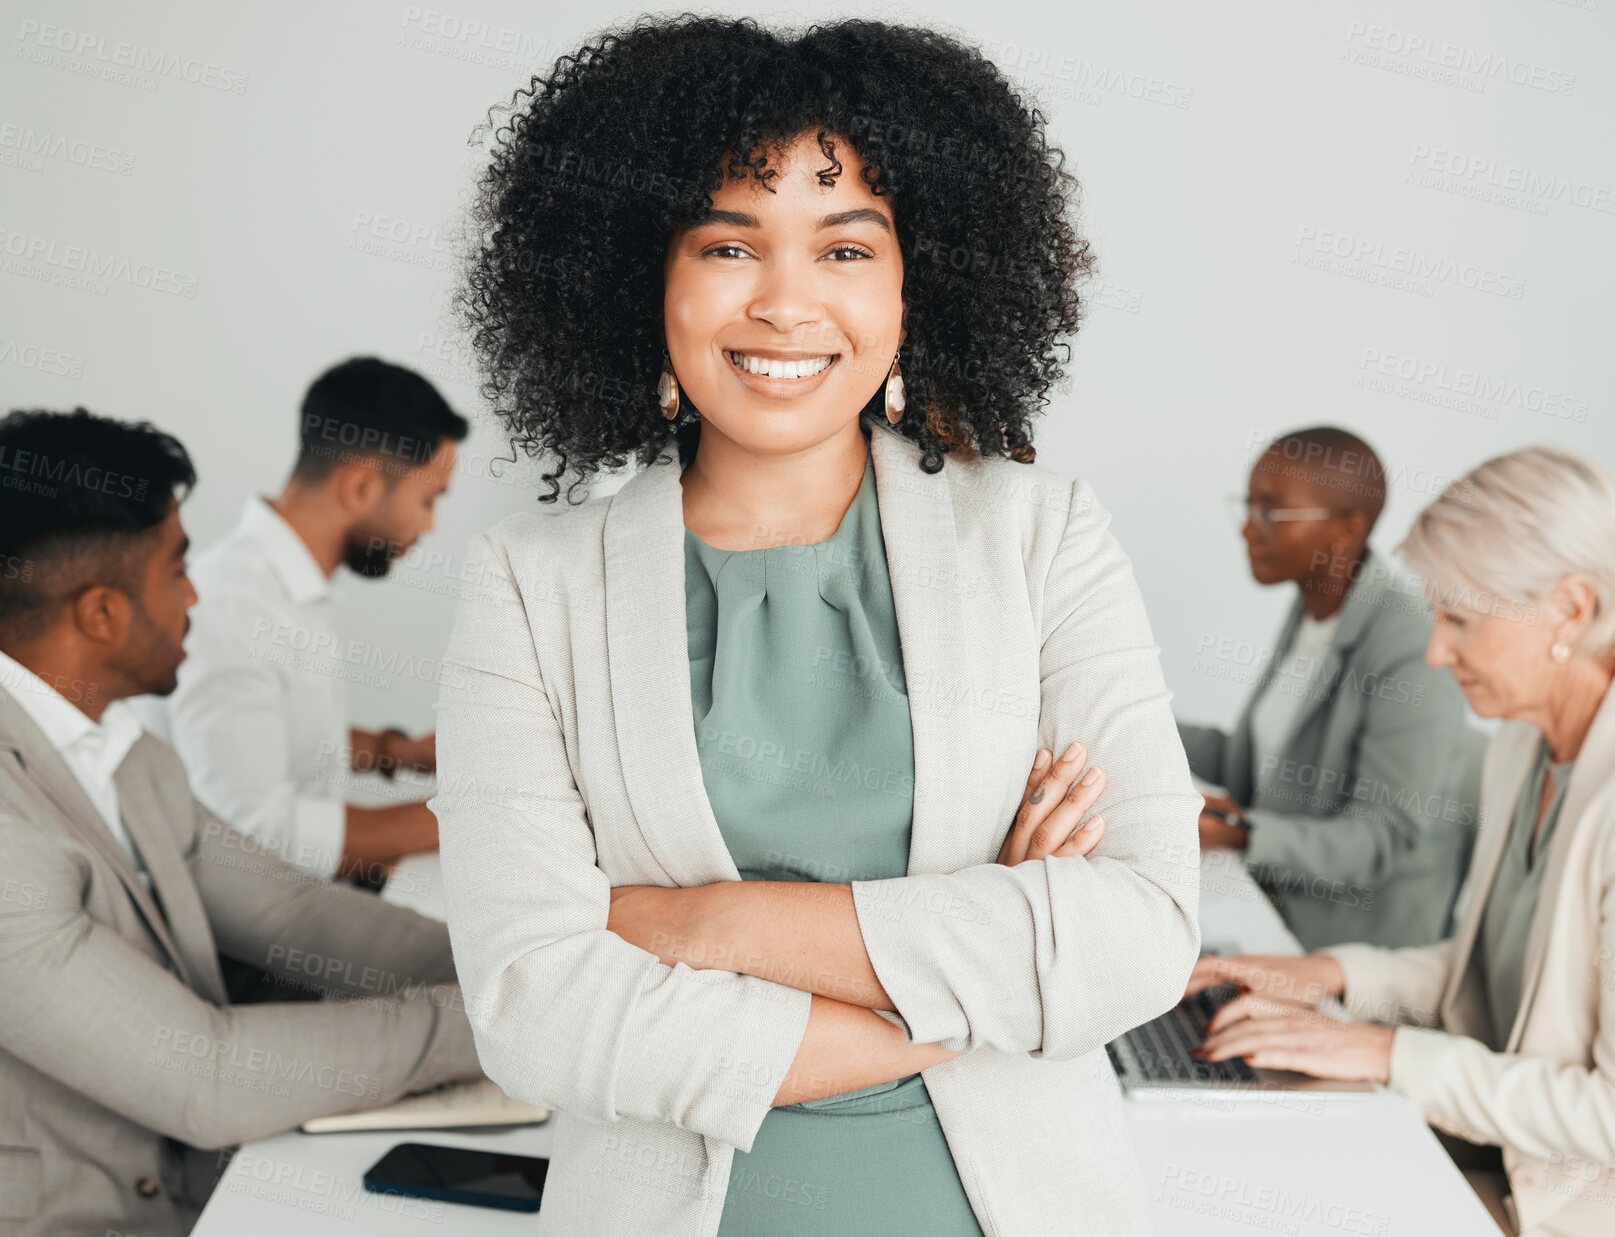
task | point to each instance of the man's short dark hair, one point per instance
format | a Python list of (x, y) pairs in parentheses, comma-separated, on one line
[(78, 493), (367, 409)]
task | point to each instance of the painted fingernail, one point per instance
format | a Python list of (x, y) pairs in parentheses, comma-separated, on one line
[(1090, 777), (1070, 752)]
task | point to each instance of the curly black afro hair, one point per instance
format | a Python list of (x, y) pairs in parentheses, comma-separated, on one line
[(596, 166)]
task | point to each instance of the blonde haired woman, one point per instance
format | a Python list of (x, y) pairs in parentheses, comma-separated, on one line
[(1503, 1035)]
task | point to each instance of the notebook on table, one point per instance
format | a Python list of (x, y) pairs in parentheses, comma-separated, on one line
[(454, 1105)]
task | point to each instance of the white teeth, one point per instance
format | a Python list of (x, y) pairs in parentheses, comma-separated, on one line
[(763, 367)]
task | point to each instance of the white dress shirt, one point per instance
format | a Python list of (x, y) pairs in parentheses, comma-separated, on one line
[(92, 750), (260, 715), (1294, 682)]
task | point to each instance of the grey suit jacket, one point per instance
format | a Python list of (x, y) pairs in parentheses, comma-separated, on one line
[(1362, 824), (120, 1061), (567, 766)]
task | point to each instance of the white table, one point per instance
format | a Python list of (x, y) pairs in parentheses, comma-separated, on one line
[(1217, 1168)]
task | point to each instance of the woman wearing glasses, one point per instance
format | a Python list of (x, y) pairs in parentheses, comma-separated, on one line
[(745, 873), (1344, 773)]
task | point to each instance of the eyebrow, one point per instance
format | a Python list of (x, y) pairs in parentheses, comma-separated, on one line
[(740, 219)]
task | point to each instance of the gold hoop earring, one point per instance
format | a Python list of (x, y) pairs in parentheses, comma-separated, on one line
[(896, 398), (667, 389)]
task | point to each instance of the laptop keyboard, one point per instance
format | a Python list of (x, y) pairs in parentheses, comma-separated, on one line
[(1161, 1049)]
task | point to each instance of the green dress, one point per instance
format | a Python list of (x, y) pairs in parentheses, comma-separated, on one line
[(802, 722)]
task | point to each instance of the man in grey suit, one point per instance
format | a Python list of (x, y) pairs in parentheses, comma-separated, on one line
[(122, 1065), (1345, 771)]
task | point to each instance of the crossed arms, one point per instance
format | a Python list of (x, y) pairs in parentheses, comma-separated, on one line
[(569, 1013)]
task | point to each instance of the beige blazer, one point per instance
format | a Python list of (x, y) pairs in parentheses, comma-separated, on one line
[(1549, 1099), (120, 1059), (567, 766)]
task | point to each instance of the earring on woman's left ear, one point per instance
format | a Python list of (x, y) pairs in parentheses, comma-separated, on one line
[(896, 399), (667, 390)]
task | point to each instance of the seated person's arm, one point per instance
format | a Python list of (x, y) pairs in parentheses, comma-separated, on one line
[(1400, 795), (387, 751), (380, 836), (1547, 1109), (331, 936), (87, 1007), (229, 722), (1204, 746)]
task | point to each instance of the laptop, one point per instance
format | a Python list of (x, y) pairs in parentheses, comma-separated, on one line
[(1155, 1061)]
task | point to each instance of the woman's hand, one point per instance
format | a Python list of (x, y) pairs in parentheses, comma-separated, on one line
[(1305, 979), (1214, 828), (1273, 1034), (656, 919), (1053, 804)]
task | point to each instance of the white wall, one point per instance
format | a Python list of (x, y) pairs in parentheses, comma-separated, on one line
[(1225, 150)]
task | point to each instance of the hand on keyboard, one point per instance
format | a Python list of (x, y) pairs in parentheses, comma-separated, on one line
[(1273, 1034), (1307, 978)]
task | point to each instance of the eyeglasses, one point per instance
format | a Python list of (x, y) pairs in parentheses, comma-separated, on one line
[(1264, 515)]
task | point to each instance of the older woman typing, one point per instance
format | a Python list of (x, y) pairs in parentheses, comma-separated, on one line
[(1504, 1034)]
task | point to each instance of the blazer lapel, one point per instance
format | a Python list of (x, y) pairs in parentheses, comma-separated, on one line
[(1457, 1003), (947, 655), (1364, 598), (141, 806), (1594, 764), (45, 766), (647, 656)]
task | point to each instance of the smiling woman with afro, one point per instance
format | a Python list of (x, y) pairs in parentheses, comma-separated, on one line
[(761, 868), (629, 138)]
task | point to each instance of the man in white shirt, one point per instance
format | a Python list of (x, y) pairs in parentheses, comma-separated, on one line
[(260, 715), (124, 1067)]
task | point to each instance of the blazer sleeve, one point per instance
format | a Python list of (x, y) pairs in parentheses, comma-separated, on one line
[(1545, 1108), (1205, 747), (1395, 986), (84, 1006), (567, 1014), (1402, 789), (277, 917), (1071, 951)]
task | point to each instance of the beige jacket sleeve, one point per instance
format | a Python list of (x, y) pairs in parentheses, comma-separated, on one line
[(85, 1006), (1547, 1109), (568, 1014), (1541, 1107), (1395, 986), (1071, 951)]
